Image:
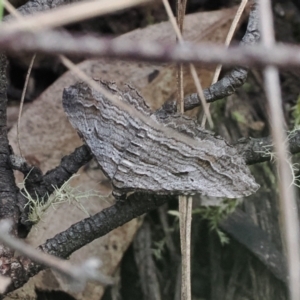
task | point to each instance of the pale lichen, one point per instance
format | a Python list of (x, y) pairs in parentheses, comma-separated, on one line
[(65, 194)]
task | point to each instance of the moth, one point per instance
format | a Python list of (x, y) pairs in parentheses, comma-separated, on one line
[(159, 153)]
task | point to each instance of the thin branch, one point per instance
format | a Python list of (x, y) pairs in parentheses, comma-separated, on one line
[(85, 231), (185, 218), (256, 150), (34, 6), (68, 14), (181, 7), (18, 16), (76, 274), (9, 7), (93, 46), (8, 189), (22, 100)]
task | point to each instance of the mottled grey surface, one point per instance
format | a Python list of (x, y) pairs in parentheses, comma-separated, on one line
[(138, 156)]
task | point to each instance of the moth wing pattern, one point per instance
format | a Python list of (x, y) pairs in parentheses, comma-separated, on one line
[(139, 157), (168, 166), (104, 127)]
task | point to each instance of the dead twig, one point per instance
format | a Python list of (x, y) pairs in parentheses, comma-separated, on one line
[(68, 14), (287, 201), (18, 16), (77, 274)]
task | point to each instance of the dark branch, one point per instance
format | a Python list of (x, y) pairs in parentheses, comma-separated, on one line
[(44, 186), (8, 188), (260, 150), (85, 231), (69, 165)]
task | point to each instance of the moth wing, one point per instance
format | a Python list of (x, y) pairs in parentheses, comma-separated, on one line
[(155, 163), (105, 128)]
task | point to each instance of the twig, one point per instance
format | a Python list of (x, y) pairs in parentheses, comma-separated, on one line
[(188, 232), (8, 189), (182, 200), (18, 16), (287, 201), (87, 230), (31, 7), (181, 7), (93, 46), (68, 14), (77, 274), (22, 100), (8, 6)]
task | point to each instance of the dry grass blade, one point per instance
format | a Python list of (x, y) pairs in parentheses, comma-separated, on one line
[(11, 9), (195, 78), (189, 205), (69, 14), (287, 201), (22, 100), (181, 7), (16, 14), (232, 29), (185, 215)]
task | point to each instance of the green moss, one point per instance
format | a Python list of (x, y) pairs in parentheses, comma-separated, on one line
[(238, 117), (66, 193)]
